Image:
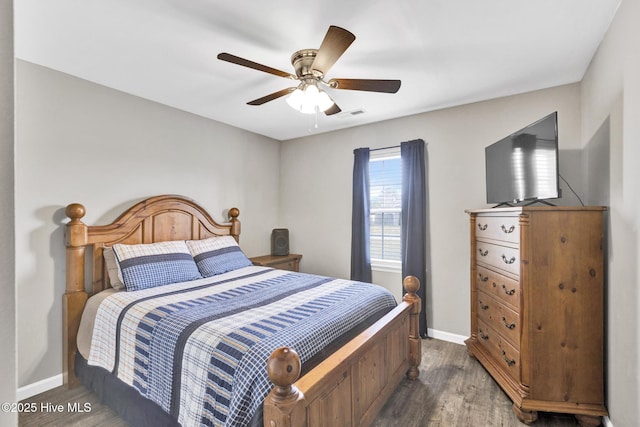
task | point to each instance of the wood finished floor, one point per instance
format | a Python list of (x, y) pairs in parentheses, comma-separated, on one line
[(453, 390)]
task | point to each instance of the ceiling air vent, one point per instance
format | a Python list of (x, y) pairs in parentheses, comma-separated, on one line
[(344, 114)]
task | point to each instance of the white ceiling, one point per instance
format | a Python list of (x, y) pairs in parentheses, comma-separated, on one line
[(446, 52)]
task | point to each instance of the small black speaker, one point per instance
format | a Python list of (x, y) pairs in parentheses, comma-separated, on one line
[(280, 241)]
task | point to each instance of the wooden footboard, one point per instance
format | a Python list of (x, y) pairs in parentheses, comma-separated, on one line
[(350, 387)]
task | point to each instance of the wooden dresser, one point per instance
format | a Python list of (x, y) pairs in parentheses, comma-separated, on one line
[(283, 262), (537, 311)]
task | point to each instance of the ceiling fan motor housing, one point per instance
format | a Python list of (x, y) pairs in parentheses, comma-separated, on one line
[(302, 61)]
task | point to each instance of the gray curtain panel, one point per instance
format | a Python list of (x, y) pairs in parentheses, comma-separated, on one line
[(360, 256), (413, 231)]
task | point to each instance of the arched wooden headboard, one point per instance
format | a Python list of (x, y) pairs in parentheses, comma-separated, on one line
[(157, 219)]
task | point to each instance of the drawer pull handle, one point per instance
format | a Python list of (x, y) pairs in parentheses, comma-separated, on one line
[(508, 325), (483, 253), (508, 230), (483, 335), (510, 362), (483, 278), (482, 227), (483, 306), (511, 292), (508, 261)]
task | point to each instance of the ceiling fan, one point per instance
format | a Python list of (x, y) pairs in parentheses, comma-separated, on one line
[(311, 66)]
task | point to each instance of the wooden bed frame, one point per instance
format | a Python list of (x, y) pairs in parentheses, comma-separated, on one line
[(346, 389)]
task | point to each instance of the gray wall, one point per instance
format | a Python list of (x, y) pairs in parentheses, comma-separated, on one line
[(81, 142), (7, 259), (456, 138), (611, 133)]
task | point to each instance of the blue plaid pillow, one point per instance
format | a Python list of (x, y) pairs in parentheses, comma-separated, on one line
[(217, 255), (148, 265)]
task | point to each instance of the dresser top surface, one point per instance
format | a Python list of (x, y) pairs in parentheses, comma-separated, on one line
[(519, 209)]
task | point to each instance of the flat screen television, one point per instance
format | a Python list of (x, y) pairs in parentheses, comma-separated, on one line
[(524, 165)]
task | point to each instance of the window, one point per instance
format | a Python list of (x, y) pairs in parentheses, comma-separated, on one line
[(385, 181)]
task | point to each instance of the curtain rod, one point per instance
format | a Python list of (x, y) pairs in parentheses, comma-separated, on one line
[(384, 148), (389, 147)]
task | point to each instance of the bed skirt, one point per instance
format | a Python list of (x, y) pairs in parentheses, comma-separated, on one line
[(122, 398)]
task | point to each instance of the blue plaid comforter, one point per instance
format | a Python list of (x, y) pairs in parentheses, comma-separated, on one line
[(199, 349)]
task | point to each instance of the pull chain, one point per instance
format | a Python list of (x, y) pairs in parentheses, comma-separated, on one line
[(315, 124)]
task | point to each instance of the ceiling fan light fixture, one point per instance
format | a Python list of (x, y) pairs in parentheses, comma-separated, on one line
[(324, 102), (295, 99), (309, 99)]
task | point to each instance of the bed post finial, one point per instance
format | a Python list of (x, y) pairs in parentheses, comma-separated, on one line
[(75, 211), (234, 213), (411, 285), (280, 408)]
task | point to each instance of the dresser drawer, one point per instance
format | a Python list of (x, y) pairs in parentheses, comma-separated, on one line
[(497, 256), (501, 318), (501, 287), (505, 228), (505, 355)]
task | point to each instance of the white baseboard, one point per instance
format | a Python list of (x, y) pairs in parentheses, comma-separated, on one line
[(446, 336), (606, 422), (39, 387)]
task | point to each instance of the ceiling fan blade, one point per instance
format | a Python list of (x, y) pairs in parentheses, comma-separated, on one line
[(388, 86), (333, 110), (335, 43), (250, 64), (272, 96)]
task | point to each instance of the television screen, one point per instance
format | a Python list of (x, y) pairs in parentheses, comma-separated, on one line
[(524, 165)]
